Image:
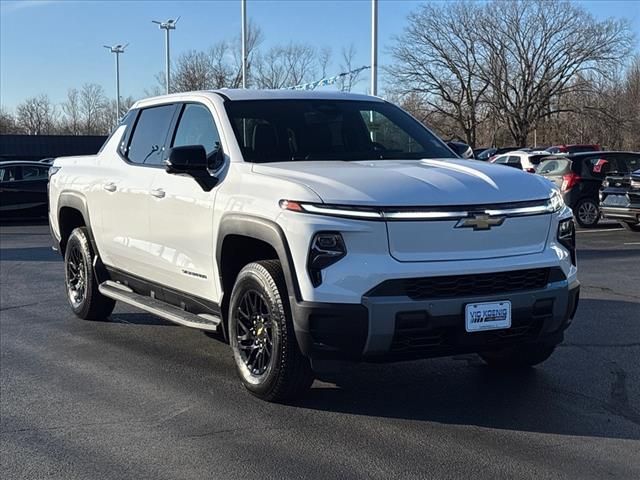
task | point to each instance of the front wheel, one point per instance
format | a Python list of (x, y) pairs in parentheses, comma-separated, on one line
[(261, 334), (587, 213), (521, 356), (82, 286), (632, 227)]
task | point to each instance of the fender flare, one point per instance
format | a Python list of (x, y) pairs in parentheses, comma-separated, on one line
[(266, 231), (78, 202)]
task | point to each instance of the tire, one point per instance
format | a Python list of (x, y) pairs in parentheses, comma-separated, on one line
[(632, 227), (262, 337), (518, 357), (80, 281), (587, 213)]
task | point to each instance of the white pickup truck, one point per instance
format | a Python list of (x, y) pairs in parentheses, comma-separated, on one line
[(311, 228)]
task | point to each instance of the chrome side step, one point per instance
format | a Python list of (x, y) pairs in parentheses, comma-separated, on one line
[(122, 293)]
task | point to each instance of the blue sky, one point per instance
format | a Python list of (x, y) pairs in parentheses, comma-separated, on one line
[(49, 46)]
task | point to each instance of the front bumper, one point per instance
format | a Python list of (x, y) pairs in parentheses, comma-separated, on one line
[(631, 213), (388, 328)]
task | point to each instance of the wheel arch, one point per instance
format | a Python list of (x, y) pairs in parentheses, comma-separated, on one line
[(72, 213), (243, 239)]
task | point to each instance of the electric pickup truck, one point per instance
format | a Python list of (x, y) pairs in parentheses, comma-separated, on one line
[(310, 229)]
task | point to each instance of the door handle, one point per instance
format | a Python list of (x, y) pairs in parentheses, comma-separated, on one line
[(158, 193), (110, 187)]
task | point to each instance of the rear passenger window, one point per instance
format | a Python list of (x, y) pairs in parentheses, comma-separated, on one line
[(149, 135), (34, 173), (514, 162)]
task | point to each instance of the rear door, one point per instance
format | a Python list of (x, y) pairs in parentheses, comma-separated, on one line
[(10, 198), (33, 187), (125, 240)]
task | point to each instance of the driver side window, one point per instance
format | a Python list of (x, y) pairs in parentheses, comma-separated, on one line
[(196, 127)]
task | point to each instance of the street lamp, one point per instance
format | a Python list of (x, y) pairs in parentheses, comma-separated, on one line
[(243, 13), (374, 47), (117, 49), (168, 25)]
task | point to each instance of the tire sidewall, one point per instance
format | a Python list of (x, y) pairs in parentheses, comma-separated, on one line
[(79, 238), (249, 279), (577, 213)]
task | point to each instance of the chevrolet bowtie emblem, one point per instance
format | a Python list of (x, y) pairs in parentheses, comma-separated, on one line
[(480, 221)]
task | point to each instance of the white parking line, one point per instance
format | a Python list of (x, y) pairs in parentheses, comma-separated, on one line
[(600, 231), (632, 243)]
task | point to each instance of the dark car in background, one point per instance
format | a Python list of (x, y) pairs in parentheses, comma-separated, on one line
[(489, 153), (580, 175), (577, 148), (620, 199), (23, 190)]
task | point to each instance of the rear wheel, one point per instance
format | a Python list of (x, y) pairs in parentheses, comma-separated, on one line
[(82, 286), (261, 334), (632, 227), (521, 356), (587, 213)]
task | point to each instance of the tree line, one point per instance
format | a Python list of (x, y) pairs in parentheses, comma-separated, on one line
[(519, 72), (492, 73), (85, 111)]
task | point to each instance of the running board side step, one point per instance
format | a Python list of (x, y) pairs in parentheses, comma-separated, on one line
[(122, 293)]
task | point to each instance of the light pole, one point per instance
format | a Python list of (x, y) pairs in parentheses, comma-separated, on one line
[(117, 49), (243, 12), (168, 25), (374, 47)]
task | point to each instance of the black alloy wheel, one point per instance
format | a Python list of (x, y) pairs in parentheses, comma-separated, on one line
[(254, 332)]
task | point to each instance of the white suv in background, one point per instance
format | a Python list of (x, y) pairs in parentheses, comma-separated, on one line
[(313, 227), (527, 161)]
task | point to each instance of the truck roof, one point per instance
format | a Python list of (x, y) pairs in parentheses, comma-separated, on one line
[(238, 94)]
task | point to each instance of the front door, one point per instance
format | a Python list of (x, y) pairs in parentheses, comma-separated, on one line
[(181, 214)]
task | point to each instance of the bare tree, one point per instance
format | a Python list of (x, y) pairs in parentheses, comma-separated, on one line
[(324, 59), (8, 123), (349, 81), (534, 50), (37, 116), (72, 122), (218, 67), (193, 71), (92, 105), (438, 57), (286, 66)]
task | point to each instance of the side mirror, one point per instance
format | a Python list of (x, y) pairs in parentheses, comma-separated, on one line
[(191, 160), (461, 149)]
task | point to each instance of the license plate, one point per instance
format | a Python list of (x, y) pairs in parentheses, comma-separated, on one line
[(487, 316), (617, 200)]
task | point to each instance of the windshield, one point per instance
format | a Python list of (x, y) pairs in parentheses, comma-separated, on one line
[(293, 130)]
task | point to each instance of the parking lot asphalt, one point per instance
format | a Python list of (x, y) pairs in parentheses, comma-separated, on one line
[(137, 397)]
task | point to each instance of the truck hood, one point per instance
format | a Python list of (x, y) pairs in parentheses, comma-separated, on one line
[(411, 182)]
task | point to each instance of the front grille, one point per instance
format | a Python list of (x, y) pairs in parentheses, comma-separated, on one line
[(472, 285), (452, 286)]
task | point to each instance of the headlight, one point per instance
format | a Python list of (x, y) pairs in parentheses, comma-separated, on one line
[(635, 183), (556, 202), (326, 249), (567, 237), (605, 184)]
